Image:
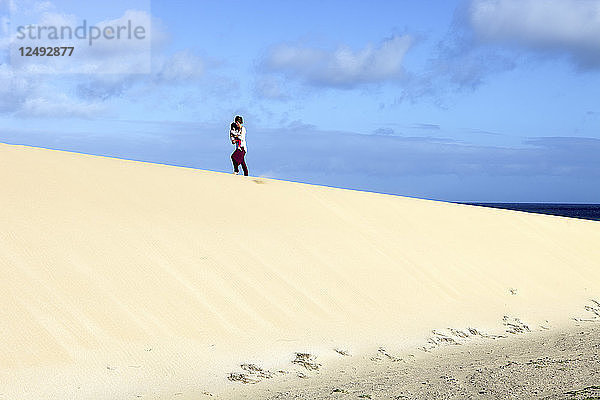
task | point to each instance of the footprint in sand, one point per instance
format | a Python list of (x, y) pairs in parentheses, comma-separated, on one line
[(253, 374), (515, 325), (307, 361), (243, 378), (256, 370), (594, 309), (342, 352), (336, 390), (382, 353), (456, 337)]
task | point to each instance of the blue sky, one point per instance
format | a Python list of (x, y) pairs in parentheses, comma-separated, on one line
[(474, 100)]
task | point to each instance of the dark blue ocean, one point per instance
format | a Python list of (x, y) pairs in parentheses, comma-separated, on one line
[(583, 211)]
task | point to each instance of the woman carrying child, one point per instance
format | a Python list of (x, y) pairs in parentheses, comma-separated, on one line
[(237, 135)]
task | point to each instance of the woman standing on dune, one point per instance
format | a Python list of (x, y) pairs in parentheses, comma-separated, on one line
[(237, 135)]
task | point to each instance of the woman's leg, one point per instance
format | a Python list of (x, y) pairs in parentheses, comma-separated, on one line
[(244, 167), (235, 162)]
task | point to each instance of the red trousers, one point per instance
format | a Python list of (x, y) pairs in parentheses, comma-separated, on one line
[(238, 159)]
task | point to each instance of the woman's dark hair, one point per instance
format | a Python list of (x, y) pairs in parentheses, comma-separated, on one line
[(234, 126), (239, 119)]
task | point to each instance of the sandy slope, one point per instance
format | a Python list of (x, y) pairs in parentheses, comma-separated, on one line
[(123, 279)]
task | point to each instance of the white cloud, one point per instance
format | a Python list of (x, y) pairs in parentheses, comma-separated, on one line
[(14, 89), (60, 105), (182, 66), (269, 87), (8, 5), (104, 70), (343, 67), (103, 87), (570, 27), (43, 6), (4, 30)]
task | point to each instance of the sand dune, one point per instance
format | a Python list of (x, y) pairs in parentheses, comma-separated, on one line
[(122, 278)]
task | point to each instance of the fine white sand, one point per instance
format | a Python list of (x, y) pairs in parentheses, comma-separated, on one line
[(122, 279)]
